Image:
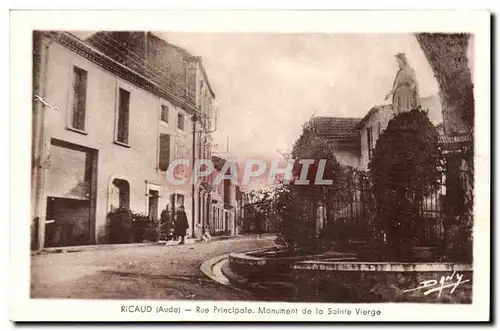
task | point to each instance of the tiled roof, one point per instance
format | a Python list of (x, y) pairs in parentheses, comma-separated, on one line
[(337, 128)]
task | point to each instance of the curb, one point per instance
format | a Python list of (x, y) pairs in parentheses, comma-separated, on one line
[(73, 249), (225, 277), (207, 269)]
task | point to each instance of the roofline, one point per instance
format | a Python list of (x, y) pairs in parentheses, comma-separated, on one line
[(352, 139), (203, 71), (373, 110), (92, 54), (188, 57)]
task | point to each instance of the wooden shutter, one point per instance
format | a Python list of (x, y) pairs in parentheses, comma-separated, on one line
[(164, 159), (79, 98), (123, 116)]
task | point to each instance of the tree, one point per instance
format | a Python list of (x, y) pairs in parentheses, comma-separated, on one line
[(406, 166), (447, 56), (260, 210), (296, 204)]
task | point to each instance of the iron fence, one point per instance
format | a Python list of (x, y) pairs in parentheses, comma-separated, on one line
[(349, 200)]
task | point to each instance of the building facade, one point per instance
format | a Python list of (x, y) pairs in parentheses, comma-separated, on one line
[(223, 203), (377, 119), (105, 131), (342, 135)]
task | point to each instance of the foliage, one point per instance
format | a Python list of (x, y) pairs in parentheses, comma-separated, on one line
[(406, 166), (337, 232), (296, 226), (144, 228), (119, 226), (459, 206), (295, 205), (311, 145), (259, 212), (124, 226)]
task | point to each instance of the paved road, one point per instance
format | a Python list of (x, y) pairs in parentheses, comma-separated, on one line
[(152, 272)]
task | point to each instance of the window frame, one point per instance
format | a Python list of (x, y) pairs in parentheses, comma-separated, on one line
[(163, 106), (71, 98), (180, 114), (160, 150), (117, 115)]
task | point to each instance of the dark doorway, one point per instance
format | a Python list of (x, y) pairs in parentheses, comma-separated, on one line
[(123, 193), (67, 222), (153, 205), (71, 195)]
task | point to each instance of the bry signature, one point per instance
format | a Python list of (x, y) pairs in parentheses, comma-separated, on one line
[(445, 282)]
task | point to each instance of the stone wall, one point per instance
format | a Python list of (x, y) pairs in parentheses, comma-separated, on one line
[(381, 282)]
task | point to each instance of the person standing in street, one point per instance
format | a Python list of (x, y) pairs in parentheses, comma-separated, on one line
[(181, 224), (166, 224)]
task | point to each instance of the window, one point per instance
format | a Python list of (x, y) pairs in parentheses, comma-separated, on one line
[(70, 174), (79, 98), (164, 113), (164, 151), (227, 191), (123, 116), (180, 121), (180, 199), (369, 135)]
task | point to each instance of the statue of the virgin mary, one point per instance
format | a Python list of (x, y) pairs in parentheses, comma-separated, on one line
[(405, 88)]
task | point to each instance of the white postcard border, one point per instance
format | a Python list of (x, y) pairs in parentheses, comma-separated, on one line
[(22, 24)]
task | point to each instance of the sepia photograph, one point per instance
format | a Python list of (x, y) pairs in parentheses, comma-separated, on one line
[(256, 168)]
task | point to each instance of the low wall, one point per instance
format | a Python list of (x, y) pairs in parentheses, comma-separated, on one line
[(251, 264), (359, 282)]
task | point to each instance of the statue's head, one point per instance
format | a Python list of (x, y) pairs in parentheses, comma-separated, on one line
[(402, 60)]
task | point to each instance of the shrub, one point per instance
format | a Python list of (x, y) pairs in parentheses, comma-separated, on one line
[(406, 166), (144, 228), (297, 227), (296, 205), (119, 226)]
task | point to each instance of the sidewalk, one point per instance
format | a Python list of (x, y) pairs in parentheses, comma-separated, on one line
[(188, 241)]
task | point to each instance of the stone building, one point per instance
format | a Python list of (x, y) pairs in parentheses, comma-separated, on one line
[(343, 137), (110, 114), (223, 201)]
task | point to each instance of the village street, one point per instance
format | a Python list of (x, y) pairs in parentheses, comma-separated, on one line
[(150, 272)]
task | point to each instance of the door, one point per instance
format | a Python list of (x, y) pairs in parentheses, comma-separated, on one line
[(153, 205), (71, 195), (226, 221)]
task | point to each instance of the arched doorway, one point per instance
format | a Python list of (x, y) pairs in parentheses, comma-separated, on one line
[(119, 194)]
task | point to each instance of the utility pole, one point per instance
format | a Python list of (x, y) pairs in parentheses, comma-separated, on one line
[(193, 187)]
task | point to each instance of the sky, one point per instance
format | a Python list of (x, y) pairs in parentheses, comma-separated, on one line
[(268, 85)]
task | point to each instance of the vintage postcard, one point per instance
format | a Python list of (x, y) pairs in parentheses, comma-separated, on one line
[(250, 166)]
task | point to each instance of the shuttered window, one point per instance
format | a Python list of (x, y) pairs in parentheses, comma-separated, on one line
[(79, 98), (164, 159), (164, 113), (123, 116), (180, 121)]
